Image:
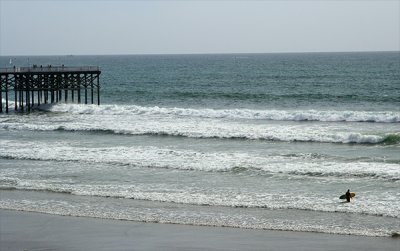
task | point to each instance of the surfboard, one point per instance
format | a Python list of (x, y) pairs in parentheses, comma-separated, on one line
[(344, 196)]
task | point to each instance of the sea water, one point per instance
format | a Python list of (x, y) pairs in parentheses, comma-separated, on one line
[(260, 141)]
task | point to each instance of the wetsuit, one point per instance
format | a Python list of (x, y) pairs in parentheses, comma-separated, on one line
[(348, 196)]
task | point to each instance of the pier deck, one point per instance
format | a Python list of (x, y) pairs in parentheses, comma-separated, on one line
[(30, 86)]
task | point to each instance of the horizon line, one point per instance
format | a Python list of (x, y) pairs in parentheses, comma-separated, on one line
[(193, 53)]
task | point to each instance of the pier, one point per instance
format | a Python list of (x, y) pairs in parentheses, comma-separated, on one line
[(32, 86)]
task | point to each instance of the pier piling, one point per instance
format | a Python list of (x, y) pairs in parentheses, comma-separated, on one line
[(30, 86)]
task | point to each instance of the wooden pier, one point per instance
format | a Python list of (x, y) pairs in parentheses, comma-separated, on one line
[(33, 86)]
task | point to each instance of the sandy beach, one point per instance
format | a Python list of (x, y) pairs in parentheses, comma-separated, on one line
[(35, 231)]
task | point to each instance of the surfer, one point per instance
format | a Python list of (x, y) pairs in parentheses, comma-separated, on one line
[(348, 196)]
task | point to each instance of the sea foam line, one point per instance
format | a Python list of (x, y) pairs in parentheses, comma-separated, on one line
[(151, 215), (369, 205), (154, 157), (201, 128), (250, 114)]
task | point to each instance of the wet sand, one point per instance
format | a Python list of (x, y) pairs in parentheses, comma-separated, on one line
[(35, 231)]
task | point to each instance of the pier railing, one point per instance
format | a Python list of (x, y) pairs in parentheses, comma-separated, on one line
[(49, 69)]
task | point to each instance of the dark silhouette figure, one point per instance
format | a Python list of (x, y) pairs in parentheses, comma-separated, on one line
[(348, 196)]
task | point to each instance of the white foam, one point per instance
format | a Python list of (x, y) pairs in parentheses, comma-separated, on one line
[(368, 203), (279, 115), (188, 217), (141, 156), (200, 127)]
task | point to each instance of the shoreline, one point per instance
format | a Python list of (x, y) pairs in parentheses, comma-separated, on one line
[(20, 230)]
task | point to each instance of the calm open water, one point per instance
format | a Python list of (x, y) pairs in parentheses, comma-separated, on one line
[(262, 141)]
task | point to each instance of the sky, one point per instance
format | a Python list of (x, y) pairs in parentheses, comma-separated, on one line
[(101, 27)]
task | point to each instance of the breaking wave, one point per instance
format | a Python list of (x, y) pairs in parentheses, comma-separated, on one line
[(209, 130), (277, 115)]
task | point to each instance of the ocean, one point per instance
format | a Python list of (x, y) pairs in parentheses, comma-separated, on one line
[(255, 141)]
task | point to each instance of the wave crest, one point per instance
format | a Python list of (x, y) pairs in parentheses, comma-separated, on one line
[(251, 114)]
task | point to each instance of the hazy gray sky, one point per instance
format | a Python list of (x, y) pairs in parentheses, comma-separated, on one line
[(57, 27)]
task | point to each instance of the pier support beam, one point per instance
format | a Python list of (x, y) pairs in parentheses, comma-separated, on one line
[(7, 94), (31, 86), (98, 91)]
